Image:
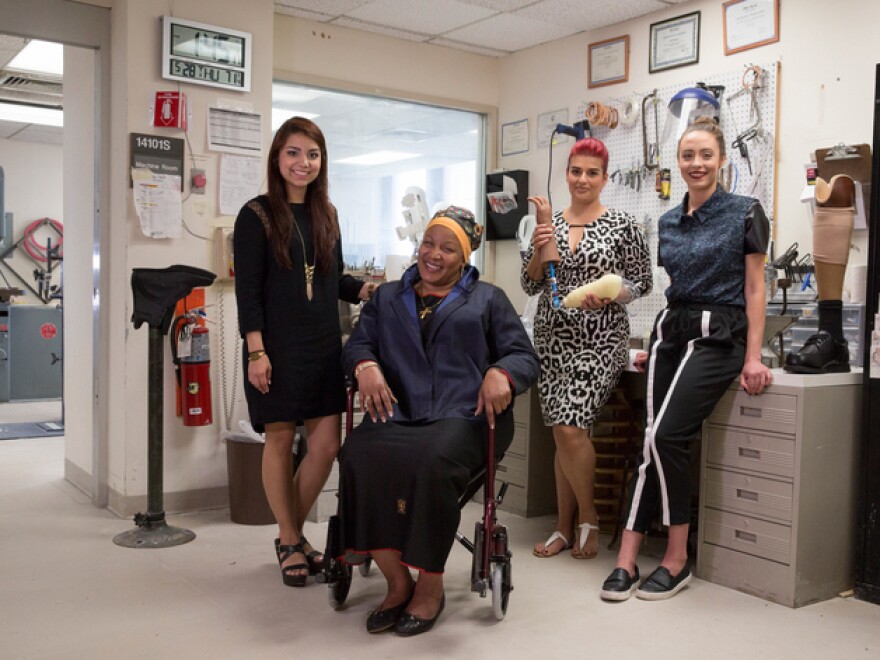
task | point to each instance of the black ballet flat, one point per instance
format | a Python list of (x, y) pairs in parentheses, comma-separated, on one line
[(382, 620), (409, 624)]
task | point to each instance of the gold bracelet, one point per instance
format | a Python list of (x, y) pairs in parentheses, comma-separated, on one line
[(253, 356), (364, 365)]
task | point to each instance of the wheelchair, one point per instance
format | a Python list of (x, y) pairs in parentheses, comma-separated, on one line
[(491, 563)]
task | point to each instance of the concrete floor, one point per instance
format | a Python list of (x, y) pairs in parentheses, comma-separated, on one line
[(67, 591)]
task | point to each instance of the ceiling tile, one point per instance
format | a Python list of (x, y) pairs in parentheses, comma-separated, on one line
[(426, 16), (304, 13), (588, 15), (380, 29), (509, 32), (37, 133), (332, 7), (502, 5), (471, 48)]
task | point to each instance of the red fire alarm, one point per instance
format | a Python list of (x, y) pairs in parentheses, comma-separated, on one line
[(169, 110)]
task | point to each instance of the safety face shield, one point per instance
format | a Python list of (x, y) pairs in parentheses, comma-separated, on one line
[(685, 107)]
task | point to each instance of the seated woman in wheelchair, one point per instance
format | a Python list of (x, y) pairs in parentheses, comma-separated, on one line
[(438, 357)]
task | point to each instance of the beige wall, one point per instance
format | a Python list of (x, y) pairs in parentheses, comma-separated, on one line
[(828, 53)]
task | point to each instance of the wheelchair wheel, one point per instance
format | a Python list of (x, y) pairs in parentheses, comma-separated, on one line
[(364, 569), (502, 585), (338, 588)]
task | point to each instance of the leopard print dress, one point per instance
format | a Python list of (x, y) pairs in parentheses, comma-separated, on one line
[(583, 352)]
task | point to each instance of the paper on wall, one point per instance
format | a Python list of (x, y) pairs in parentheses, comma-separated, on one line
[(240, 178), (157, 203)]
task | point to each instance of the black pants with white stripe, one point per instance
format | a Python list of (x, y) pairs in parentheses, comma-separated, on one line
[(695, 353)]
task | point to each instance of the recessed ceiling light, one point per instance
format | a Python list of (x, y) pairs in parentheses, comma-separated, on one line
[(31, 114), (377, 158), (39, 57)]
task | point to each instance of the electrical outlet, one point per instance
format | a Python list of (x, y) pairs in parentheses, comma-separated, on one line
[(197, 182)]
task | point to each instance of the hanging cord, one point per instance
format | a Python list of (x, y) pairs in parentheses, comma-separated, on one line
[(599, 114), (36, 250)]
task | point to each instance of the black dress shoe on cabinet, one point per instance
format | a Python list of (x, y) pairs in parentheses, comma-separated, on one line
[(409, 624), (821, 354), (620, 585)]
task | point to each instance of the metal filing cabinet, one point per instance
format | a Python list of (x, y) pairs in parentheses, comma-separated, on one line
[(778, 488), (34, 352), (527, 466)]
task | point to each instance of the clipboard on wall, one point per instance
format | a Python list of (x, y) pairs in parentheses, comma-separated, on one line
[(854, 160)]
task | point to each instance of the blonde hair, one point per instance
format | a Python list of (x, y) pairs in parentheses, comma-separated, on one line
[(709, 125)]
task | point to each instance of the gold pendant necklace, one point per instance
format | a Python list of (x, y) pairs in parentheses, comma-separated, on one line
[(428, 309), (309, 270)]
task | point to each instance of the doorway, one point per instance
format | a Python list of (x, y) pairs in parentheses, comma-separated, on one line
[(85, 32)]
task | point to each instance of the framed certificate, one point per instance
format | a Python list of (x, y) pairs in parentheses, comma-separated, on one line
[(674, 42), (608, 62), (749, 24), (515, 137)]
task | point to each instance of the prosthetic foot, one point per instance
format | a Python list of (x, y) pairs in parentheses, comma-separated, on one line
[(827, 351)]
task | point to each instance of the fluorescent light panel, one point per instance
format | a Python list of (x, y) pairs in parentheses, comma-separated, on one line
[(377, 158), (30, 114), (39, 57)]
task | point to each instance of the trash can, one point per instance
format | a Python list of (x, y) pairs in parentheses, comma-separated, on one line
[(247, 499)]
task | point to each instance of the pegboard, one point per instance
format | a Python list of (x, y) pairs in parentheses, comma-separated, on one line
[(625, 146)]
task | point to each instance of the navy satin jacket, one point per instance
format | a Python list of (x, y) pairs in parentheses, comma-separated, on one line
[(475, 328)]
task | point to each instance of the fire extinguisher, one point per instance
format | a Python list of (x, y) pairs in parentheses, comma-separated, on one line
[(191, 354)]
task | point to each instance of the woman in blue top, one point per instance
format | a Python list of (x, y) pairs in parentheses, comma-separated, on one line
[(712, 246), (438, 356)]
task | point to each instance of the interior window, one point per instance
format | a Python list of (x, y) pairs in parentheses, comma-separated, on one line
[(379, 150)]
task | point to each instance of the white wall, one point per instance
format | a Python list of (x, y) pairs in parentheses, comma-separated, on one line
[(33, 190), (828, 52)]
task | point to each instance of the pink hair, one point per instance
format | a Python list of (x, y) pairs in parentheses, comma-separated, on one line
[(590, 147)]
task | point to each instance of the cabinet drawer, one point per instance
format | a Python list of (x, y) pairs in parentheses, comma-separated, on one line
[(769, 412), (750, 495), (512, 470), (748, 535), (515, 500), (750, 451), (520, 440)]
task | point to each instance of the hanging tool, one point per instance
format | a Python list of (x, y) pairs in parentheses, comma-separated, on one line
[(751, 83), (650, 150)]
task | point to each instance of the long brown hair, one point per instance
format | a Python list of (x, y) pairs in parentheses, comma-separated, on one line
[(325, 228)]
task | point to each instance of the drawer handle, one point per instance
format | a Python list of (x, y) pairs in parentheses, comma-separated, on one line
[(750, 495), (750, 453), (746, 536), (750, 411)]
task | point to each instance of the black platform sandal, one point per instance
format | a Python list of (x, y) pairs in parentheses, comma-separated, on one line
[(315, 565), (287, 572)]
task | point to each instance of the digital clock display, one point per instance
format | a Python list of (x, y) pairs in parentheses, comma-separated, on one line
[(197, 72), (205, 54), (206, 45)]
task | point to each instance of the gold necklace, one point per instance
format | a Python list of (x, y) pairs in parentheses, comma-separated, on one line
[(428, 309), (309, 270)]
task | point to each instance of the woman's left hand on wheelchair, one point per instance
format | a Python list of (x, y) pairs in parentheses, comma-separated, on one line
[(495, 395)]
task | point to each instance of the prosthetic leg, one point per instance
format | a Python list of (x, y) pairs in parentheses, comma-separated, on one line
[(827, 351)]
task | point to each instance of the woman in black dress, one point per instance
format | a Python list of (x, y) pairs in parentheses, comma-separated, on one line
[(288, 280)]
